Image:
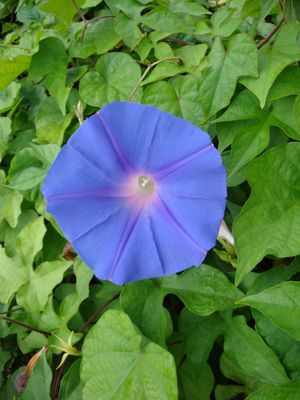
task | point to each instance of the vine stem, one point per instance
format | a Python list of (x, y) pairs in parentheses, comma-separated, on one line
[(175, 342), (150, 66), (12, 310), (85, 21), (177, 41), (31, 328), (57, 380), (97, 312), (271, 34)]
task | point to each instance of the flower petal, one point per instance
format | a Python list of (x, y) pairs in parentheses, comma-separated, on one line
[(151, 247), (201, 218), (175, 141), (72, 172), (78, 193), (202, 177), (103, 246), (176, 248), (76, 217), (133, 126), (93, 142), (151, 138)]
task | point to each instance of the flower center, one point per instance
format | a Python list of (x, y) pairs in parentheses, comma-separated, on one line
[(140, 190), (145, 185)]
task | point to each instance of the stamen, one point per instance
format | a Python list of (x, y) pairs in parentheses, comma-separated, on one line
[(140, 190), (146, 184)]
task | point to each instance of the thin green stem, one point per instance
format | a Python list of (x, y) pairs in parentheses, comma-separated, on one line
[(170, 59)]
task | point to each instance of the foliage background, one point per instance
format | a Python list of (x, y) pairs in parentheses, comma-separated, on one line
[(227, 330)]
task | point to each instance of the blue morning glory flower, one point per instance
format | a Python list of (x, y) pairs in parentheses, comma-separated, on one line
[(138, 192)]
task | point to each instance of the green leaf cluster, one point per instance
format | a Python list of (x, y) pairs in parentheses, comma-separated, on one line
[(225, 330)]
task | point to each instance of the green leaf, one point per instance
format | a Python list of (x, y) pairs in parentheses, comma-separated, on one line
[(274, 276), (70, 304), (128, 30), (286, 348), (264, 225), (30, 165), (117, 363), (199, 334), (226, 67), (189, 98), (247, 351), (276, 303), (272, 60), (143, 302), (163, 50), (38, 386), (164, 70), (11, 235), (30, 241), (180, 96), (296, 112), (143, 48), (70, 388), (12, 276), (197, 380), (203, 290), (8, 96), (188, 7), (252, 135), (163, 95), (50, 123), (191, 56), (285, 114), (99, 38), (292, 10), (225, 21), (49, 320), (32, 341), (90, 3), (287, 84), (191, 62), (50, 62), (161, 19), (33, 296), (5, 356), (250, 139), (114, 79), (11, 67), (28, 15), (131, 8), (10, 205), (64, 10), (289, 391), (5, 130), (266, 7), (229, 392)]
